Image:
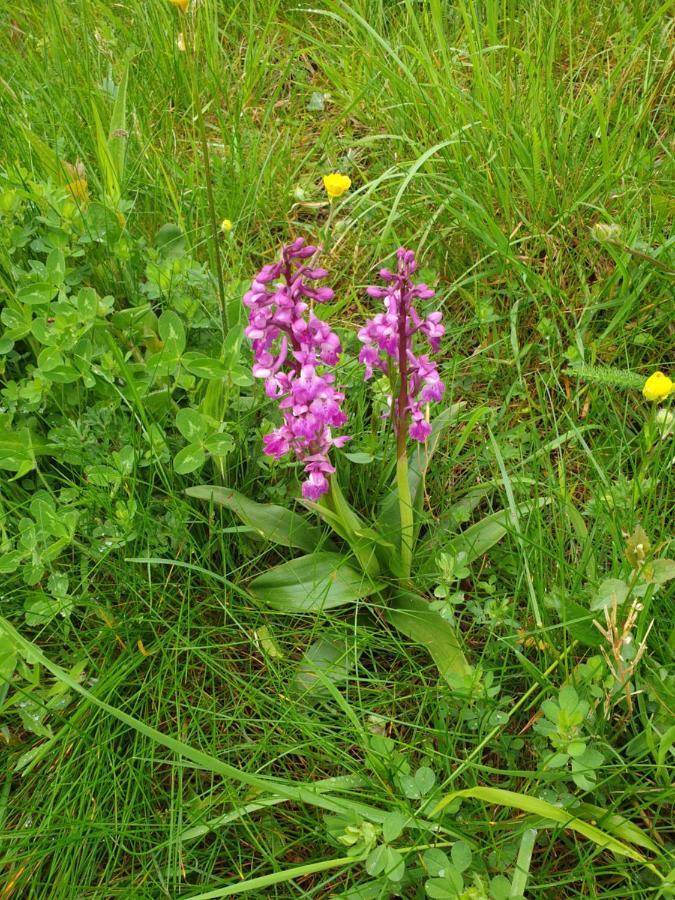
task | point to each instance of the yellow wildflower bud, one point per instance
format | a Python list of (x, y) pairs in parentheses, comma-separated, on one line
[(181, 4), (336, 184), (226, 226), (657, 387)]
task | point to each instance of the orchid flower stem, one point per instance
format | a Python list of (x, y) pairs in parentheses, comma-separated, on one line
[(405, 513)]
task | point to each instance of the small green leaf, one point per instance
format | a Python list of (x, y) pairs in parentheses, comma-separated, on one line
[(49, 358), (449, 887), (56, 267), (172, 332), (203, 366), (376, 860), (579, 622), (393, 825), (10, 562), (323, 658), (662, 571), (40, 608), (612, 590), (394, 867), (170, 241), (461, 856), (312, 583), (189, 459), (361, 459), (62, 374), (219, 443), (384, 860), (436, 862), (39, 293), (500, 888), (425, 780), (191, 424)]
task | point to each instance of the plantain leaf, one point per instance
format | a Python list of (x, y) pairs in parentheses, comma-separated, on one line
[(412, 616), (541, 808), (312, 583), (274, 523)]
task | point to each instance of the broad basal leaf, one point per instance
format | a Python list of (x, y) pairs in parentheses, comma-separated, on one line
[(312, 583), (365, 543), (412, 616), (274, 523)]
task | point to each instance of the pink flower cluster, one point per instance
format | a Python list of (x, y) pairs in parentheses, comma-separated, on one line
[(292, 349), (388, 339)]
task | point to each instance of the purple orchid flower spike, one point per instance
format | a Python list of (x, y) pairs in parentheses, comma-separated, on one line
[(292, 350), (388, 340), (389, 345)]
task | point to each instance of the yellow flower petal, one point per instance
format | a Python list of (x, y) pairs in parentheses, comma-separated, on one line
[(657, 387), (181, 4), (226, 226), (336, 184)]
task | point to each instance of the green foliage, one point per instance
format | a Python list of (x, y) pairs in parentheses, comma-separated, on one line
[(190, 735)]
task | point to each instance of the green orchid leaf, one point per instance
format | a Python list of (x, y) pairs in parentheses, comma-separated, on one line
[(312, 583), (274, 523), (545, 810), (366, 544), (412, 616)]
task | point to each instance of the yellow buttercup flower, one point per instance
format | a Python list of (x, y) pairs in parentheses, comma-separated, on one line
[(181, 4), (226, 226), (336, 184), (657, 387)]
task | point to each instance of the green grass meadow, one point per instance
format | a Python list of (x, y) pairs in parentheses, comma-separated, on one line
[(163, 732)]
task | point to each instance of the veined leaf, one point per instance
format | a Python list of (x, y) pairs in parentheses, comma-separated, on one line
[(412, 616), (536, 807), (312, 583), (365, 543), (274, 523)]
